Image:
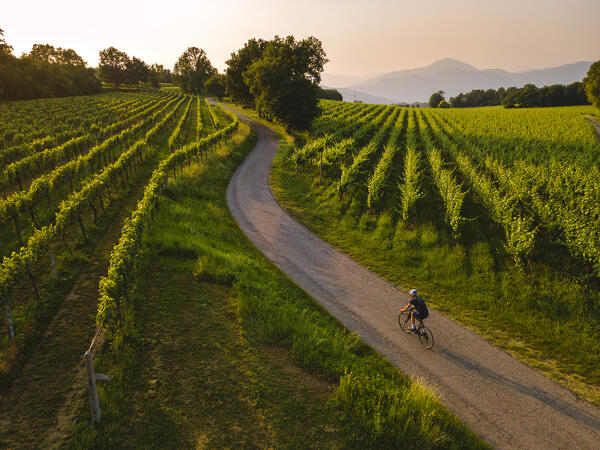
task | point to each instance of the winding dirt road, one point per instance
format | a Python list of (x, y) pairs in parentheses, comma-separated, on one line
[(508, 403)]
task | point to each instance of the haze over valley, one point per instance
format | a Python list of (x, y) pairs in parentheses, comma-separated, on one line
[(449, 75)]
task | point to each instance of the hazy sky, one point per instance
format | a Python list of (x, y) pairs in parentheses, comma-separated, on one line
[(359, 37)]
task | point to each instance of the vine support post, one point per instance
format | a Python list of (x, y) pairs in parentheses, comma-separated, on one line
[(53, 264), (320, 170), (9, 317), (92, 377)]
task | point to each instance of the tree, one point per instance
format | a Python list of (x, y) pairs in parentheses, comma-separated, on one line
[(237, 65), (192, 70), (330, 94), (136, 71), (165, 74), (155, 74), (443, 104), (592, 84), (436, 98), (113, 65), (284, 81), (215, 85), (5, 49), (529, 96)]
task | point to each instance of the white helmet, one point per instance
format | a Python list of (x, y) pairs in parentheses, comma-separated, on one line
[(413, 292)]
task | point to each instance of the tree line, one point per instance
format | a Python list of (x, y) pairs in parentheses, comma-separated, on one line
[(577, 93), (278, 77), (46, 71), (526, 97), (116, 67)]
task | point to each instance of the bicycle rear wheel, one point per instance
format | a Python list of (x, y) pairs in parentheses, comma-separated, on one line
[(425, 336), (404, 321)]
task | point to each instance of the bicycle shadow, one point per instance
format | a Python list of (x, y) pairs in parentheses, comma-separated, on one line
[(556, 403)]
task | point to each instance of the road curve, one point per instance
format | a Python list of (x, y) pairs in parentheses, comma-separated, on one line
[(508, 403)]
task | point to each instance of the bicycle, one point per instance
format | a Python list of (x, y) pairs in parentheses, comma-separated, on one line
[(424, 333)]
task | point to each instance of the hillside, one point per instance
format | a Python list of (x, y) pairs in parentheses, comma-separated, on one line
[(454, 77)]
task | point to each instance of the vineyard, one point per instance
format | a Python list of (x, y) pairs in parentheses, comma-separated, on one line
[(497, 208), (70, 170)]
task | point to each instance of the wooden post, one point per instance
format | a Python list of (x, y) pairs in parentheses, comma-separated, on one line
[(11, 327), (321, 170), (92, 378), (53, 264)]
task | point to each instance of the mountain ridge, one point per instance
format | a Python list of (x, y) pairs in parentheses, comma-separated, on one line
[(453, 76)]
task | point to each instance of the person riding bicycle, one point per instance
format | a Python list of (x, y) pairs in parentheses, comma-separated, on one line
[(419, 311)]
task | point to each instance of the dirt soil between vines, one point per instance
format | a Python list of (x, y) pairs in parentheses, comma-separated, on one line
[(508, 403)]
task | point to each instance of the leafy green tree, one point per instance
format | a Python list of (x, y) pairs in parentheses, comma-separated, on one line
[(215, 85), (237, 65), (436, 98), (330, 94), (192, 70), (529, 96), (113, 66), (136, 71), (592, 84), (284, 81)]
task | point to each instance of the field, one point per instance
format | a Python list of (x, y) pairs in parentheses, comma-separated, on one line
[(115, 227), (493, 213)]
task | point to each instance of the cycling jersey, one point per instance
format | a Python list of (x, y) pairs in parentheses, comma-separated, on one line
[(419, 305)]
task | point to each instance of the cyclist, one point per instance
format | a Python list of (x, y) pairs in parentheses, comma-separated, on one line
[(420, 310)]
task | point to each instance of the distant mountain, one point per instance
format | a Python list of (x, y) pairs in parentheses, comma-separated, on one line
[(453, 77), (351, 95), (343, 81)]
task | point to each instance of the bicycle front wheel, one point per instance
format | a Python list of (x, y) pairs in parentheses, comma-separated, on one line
[(404, 321), (425, 336)]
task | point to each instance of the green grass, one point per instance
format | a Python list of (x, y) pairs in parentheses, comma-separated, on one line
[(228, 352), (548, 314)]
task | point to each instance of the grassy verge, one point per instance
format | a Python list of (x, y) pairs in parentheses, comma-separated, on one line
[(547, 318), (228, 352)]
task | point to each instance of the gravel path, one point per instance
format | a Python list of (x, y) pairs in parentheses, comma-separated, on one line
[(508, 403)]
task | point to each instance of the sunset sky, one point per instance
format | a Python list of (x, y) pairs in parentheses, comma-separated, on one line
[(360, 37)]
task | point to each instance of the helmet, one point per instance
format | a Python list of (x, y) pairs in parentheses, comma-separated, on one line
[(413, 292)]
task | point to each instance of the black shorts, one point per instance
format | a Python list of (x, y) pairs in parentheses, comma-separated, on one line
[(421, 314)]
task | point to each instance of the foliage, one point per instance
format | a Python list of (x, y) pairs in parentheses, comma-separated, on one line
[(284, 80), (528, 96), (450, 190), (45, 72), (329, 94), (380, 179), (592, 84), (435, 99), (192, 70), (215, 85), (237, 65), (410, 187), (113, 65), (18, 264), (123, 260)]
